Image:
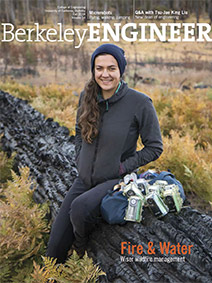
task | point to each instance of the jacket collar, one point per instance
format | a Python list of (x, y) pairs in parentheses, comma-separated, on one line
[(119, 93)]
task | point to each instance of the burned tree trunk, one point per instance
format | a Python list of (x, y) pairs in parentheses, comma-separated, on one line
[(42, 145), (176, 248), (190, 228)]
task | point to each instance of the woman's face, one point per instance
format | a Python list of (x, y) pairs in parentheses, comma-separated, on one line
[(107, 74)]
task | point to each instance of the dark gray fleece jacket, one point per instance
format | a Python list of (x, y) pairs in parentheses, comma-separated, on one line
[(123, 117)]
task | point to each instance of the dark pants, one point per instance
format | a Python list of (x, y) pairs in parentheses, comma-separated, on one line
[(78, 214)]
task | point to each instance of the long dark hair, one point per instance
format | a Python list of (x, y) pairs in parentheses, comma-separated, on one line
[(89, 111)]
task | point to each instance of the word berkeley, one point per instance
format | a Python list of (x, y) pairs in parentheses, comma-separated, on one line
[(129, 32)]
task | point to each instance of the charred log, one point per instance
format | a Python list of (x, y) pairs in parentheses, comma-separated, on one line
[(42, 145)]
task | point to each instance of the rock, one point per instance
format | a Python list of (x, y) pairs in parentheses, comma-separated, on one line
[(202, 86), (185, 87), (49, 152)]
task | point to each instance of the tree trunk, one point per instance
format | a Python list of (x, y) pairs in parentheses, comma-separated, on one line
[(26, 12), (210, 11), (60, 3)]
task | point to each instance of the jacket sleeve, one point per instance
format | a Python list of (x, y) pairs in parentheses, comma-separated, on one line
[(78, 137), (149, 131)]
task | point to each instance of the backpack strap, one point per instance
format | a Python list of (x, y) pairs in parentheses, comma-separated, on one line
[(164, 174)]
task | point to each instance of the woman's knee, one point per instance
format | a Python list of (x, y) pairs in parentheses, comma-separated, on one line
[(80, 210)]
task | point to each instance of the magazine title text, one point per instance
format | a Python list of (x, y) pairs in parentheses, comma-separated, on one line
[(105, 32)]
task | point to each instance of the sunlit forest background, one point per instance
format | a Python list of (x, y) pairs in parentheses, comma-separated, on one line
[(176, 75)]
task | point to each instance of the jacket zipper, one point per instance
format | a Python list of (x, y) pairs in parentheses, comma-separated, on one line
[(97, 144)]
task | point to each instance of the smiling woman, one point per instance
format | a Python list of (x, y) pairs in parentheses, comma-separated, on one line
[(110, 118)]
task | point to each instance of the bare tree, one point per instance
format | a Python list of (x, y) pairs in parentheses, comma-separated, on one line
[(210, 10), (105, 8), (197, 10), (26, 11), (40, 9), (9, 10), (87, 8), (117, 9), (60, 3)]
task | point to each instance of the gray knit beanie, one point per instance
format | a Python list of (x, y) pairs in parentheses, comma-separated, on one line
[(115, 51)]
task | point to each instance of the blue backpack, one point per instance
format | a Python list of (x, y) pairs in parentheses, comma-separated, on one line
[(113, 207)]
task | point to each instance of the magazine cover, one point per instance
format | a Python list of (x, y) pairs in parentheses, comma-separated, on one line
[(106, 135)]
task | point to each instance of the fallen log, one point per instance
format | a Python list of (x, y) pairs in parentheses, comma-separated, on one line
[(42, 145), (49, 152)]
